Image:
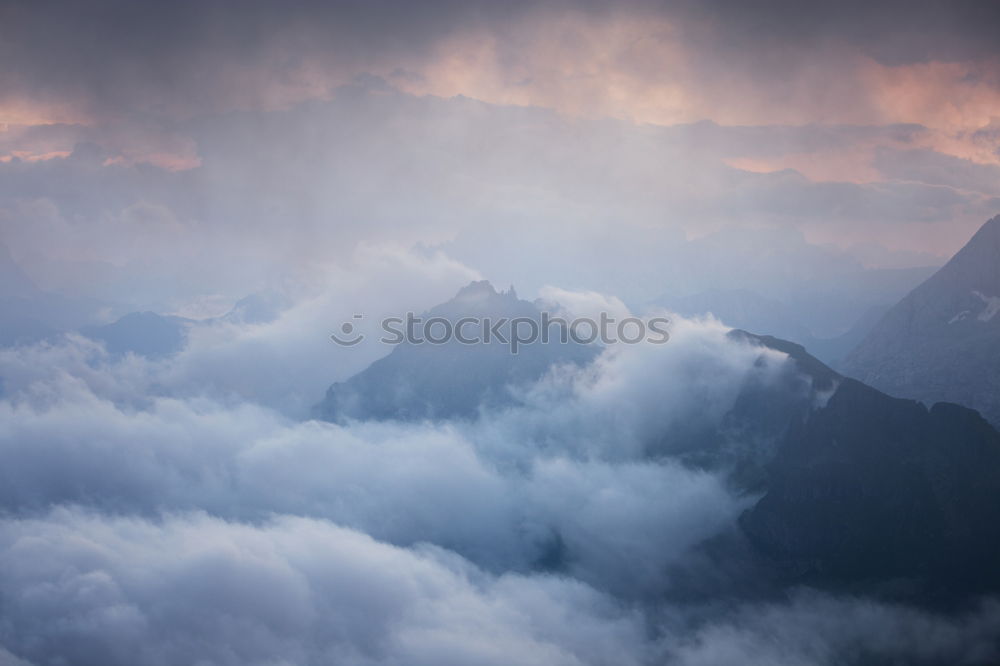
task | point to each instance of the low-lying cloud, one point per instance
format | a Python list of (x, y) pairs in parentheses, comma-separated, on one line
[(153, 516)]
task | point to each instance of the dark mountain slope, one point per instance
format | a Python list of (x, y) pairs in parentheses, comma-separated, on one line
[(768, 405), (872, 487), (440, 381), (942, 341)]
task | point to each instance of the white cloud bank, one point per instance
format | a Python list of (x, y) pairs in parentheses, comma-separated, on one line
[(150, 517)]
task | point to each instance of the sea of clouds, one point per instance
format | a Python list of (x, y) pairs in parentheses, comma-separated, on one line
[(186, 511)]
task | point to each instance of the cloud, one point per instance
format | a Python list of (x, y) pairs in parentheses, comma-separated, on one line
[(634, 58), (585, 304), (191, 588), (135, 80), (927, 166), (286, 363), (289, 363), (148, 519), (521, 195), (475, 516), (573, 477)]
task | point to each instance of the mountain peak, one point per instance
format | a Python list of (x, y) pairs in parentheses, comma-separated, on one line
[(987, 239), (482, 291), (976, 267), (991, 226), (457, 379), (989, 233), (476, 290), (942, 341)]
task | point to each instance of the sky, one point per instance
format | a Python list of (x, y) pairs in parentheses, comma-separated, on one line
[(266, 145), (325, 159)]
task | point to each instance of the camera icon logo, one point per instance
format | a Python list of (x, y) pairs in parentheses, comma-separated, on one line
[(348, 336)]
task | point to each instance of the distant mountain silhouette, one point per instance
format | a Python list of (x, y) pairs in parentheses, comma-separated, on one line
[(155, 335), (452, 380), (942, 341), (748, 310), (143, 333)]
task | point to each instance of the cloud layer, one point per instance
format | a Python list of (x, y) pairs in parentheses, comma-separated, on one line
[(154, 514)]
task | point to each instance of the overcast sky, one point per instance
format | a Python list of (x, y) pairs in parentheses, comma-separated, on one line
[(257, 142)]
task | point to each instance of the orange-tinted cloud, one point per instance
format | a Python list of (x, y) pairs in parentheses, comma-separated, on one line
[(645, 69), (628, 63)]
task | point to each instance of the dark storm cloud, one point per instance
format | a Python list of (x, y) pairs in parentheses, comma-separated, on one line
[(114, 57), (893, 33)]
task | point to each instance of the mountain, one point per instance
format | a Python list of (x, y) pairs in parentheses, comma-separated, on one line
[(864, 487), (857, 489), (452, 380), (874, 488), (155, 335), (143, 333), (942, 341), (834, 350), (768, 405)]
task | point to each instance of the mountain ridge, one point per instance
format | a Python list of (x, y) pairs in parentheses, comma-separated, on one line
[(869, 489), (941, 342), (454, 379)]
